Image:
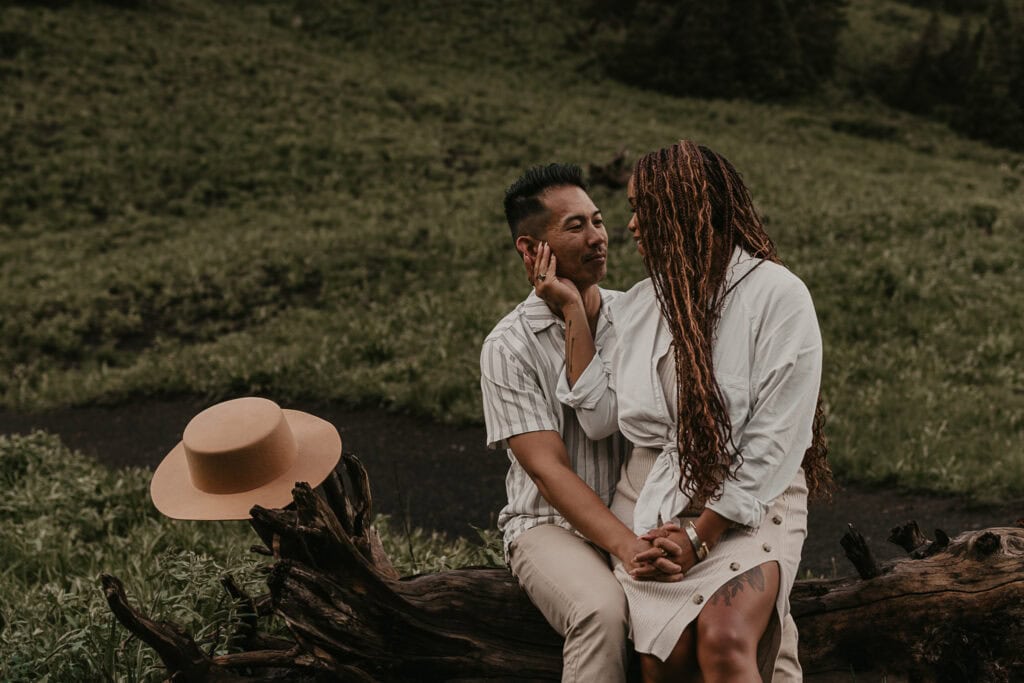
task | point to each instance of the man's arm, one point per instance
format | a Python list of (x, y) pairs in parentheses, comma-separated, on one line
[(517, 415), (563, 296), (584, 386), (543, 456)]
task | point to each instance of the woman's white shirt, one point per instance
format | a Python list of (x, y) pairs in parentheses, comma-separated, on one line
[(767, 360)]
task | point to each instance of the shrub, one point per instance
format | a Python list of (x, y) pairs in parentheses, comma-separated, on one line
[(974, 81), (760, 50)]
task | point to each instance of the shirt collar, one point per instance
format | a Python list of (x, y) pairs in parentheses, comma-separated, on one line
[(539, 316), (740, 264), (537, 313)]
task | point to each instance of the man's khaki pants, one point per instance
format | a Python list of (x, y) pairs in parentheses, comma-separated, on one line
[(571, 583)]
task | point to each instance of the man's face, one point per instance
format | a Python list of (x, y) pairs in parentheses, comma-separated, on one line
[(576, 233)]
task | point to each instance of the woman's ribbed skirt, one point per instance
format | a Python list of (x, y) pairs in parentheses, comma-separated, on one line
[(659, 612)]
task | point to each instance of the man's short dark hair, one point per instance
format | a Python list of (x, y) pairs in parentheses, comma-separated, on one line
[(522, 198)]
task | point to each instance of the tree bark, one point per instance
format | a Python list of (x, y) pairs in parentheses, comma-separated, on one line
[(954, 614)]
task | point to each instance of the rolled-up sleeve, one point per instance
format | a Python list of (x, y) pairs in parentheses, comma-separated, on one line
[(592, 398), (513, 400), (787, 376)]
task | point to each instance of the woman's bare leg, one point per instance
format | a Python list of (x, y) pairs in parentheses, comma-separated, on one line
[(681, 664), (731, 624)]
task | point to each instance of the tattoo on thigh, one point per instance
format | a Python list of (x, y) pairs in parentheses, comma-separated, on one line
[(733, 587)]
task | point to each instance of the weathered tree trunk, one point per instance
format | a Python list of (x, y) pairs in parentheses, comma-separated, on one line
[(954, 614)]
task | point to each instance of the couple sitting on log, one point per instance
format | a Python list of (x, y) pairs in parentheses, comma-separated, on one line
[(662, 441), (710, 371)]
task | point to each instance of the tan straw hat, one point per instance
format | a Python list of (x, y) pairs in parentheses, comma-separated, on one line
[(241, 453)]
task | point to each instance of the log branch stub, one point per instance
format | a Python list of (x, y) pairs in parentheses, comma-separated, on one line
[(614, 174), (986, 544), (940, 543), (909, 537), (859, 553), (362, 501), (176, 649), (187, 663)]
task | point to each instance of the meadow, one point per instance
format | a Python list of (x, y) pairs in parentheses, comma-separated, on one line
[(302, 200)]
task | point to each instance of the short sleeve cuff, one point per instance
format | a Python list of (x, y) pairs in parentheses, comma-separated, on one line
[(739, 506), (499, 437), (589, 387)]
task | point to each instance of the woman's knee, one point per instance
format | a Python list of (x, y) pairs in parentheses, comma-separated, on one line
[(725, 648)]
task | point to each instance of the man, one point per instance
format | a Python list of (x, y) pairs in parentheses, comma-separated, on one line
[(560, 482)]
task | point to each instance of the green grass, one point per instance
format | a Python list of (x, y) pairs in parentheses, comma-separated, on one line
[(65, 519), (302, 200)]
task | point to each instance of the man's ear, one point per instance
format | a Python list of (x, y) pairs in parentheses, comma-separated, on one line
[(526, 245)]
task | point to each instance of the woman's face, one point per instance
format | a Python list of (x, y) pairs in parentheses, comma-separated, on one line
[(634, 225)]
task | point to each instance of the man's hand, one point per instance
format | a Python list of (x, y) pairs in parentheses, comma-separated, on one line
[(628, 552), (557, 292), (669, 557), (647, 562)]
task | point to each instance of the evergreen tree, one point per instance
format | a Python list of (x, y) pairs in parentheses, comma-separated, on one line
[(730, 48), (976, 83), (994, 107), (922, 86), (956, 67), (817, 24)]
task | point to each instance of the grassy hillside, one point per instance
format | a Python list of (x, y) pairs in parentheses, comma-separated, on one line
[(303, 200)]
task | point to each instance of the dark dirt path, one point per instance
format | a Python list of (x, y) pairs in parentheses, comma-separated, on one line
[(443, 477)]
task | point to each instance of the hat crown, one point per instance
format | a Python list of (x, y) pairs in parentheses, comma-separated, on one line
[(238, 445)]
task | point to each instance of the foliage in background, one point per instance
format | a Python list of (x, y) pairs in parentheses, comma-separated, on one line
[(64, 519), (303, 200), (973, 79), (759, 50), (952, 6)]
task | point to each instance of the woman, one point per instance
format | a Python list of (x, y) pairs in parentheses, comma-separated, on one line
[(726, 427)]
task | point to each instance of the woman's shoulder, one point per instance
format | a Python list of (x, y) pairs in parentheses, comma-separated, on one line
[(771, 289), (754, 275)]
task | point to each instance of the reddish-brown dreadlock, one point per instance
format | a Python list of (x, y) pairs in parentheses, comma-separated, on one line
[(694, 210)]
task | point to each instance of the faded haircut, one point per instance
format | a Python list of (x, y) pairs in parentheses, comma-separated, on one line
[(522, 198)]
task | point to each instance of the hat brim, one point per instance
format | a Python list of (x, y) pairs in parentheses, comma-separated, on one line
[(319, 450)]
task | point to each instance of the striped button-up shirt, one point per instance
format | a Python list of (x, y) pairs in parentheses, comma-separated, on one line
[(520, 364)]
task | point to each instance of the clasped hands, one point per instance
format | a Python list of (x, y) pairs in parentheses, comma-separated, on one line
[(662, 554)]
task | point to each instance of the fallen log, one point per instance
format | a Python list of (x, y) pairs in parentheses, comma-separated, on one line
[(956, 613)]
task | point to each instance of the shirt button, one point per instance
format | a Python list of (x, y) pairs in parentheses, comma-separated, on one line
[(734, 566), (776, 520), (698, 599), (767, 548)]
